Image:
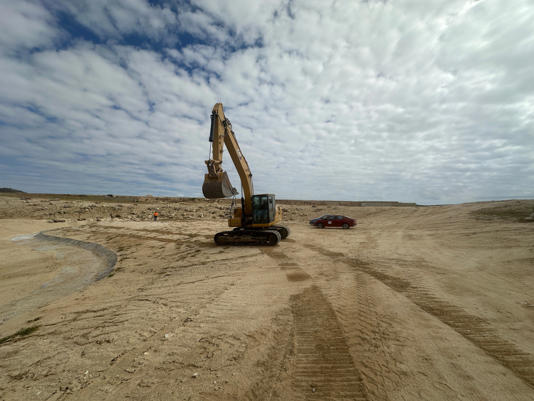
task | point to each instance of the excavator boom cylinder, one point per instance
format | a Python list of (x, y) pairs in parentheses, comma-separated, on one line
[(212, 127)]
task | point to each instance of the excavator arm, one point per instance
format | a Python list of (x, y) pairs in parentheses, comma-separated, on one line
[(216, 181)]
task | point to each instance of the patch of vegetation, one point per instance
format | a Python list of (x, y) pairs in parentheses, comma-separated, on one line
[(518, 211), (11, 190), (21, 333)]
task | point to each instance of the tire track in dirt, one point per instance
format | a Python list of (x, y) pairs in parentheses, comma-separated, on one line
[(159, 231), (273, 382), (471, 327), (293, 270), (146, 234), (312, 307), (371, 335), (136, 236), (324, 369), (186, 246)]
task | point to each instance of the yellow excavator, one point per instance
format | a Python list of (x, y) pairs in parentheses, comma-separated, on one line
[(256, 221)]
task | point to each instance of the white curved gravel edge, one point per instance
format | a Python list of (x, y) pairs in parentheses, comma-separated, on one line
[(109, 257)]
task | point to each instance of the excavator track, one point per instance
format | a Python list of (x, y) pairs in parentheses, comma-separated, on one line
[(282, 230), (248, 237)]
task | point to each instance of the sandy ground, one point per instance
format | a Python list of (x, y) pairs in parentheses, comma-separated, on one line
[(33, 274), (415, 303)]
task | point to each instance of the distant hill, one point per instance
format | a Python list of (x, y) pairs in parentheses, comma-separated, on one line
[(11, 190)]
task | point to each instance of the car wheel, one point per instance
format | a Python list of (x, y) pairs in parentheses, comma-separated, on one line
[(345, 225), (320, 225)]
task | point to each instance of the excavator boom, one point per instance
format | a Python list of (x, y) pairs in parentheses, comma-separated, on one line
[(216, 182)]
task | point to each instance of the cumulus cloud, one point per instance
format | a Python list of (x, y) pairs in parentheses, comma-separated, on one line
[(376, 100)]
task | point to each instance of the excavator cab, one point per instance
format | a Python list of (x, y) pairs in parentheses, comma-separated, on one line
[(263, 209)]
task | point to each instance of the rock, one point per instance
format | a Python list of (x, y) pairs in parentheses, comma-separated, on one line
[(195, 375)]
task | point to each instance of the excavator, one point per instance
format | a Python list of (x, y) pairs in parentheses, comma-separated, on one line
[(256, 222)]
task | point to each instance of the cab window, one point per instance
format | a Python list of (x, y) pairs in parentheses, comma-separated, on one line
[(260, 209), (272, 208)]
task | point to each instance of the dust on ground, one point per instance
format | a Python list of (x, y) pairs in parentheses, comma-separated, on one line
[(414, 303)]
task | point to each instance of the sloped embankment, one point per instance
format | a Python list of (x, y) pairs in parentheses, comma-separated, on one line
[(108, 257)]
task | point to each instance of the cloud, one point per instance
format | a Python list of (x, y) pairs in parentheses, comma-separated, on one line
[(26, 25), (112, 20), (371, 100)]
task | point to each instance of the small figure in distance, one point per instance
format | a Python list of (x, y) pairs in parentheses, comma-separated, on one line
[(156, 214)]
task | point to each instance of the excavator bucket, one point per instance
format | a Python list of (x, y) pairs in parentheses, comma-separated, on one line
[(218, 187)]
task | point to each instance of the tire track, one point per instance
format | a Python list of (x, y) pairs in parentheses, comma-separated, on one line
[(294, 271), (313, 304), (158, 231), (147, 234), (471, 327), (371, 335), (324, 369), (137, 236)]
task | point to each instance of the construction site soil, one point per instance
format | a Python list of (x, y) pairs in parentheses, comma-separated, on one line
[(414, 303)]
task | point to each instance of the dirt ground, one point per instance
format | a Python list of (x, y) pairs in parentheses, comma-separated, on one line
[(415, 303)]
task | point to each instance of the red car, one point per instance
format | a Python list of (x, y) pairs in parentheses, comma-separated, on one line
[(333, 221)]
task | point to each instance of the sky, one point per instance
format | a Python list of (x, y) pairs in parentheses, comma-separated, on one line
[(403, 100)]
